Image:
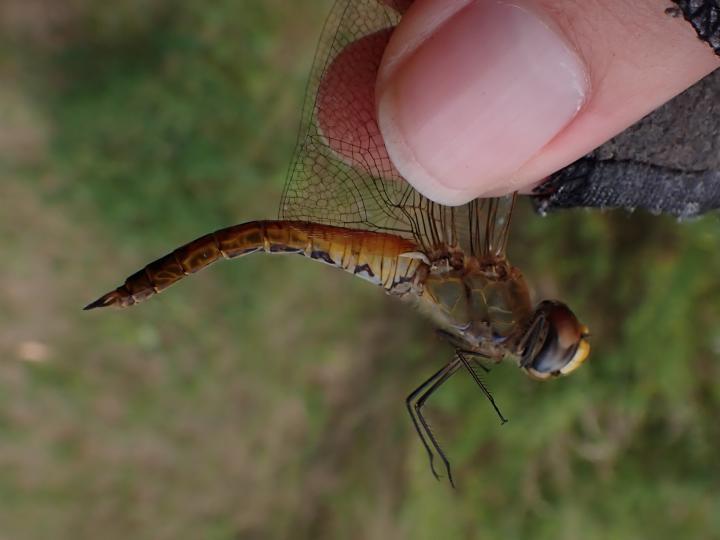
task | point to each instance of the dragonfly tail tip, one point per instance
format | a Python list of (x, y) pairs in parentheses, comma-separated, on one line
[(100, 302), (113, 298)]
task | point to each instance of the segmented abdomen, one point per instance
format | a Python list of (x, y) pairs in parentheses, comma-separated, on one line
[(380, 258)]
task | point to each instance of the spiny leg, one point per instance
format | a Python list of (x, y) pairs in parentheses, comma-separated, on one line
[(482, 386), (409, 404), (478, 363), (447, 372), (458, 348), (475, 358)]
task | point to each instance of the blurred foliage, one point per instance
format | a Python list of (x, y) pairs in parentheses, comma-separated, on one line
[(264, 399)]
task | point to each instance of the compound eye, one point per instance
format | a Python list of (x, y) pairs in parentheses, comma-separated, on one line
[(561, 347)]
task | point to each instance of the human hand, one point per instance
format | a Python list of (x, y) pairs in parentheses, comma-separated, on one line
[(485, 97)]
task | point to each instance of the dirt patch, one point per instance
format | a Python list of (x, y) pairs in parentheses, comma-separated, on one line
[(23, 130), (38, 21)]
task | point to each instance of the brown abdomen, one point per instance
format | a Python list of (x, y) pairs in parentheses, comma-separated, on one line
[(376, 257)]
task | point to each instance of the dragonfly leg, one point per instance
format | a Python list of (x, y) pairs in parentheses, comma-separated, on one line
[(478, 381), (475, 359), (458, 347), (478, 363), (434, 383), (409, 403)]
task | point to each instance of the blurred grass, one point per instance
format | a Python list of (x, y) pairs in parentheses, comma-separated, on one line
[(264, 399)]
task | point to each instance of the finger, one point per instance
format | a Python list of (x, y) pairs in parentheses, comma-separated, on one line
[(400, 6), (346, 106), (345, 103), (487, 97)]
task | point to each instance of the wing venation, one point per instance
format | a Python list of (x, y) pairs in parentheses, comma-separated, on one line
[(341, 173)]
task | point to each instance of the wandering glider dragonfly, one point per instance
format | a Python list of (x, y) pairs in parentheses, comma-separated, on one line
[(345, 205)]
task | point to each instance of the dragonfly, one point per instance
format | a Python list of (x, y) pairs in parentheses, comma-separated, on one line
[(345, 205)]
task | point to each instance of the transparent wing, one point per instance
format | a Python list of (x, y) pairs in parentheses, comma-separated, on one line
[(341, 173)]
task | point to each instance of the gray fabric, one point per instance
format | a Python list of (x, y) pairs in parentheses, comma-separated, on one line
[(669, 162), (704, 15)]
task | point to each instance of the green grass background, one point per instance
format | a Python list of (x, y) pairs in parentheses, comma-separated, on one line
[(264, 398)]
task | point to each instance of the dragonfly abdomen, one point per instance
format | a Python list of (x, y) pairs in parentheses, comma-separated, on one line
[(383, 259)]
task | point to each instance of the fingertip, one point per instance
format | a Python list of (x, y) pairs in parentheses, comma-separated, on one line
[(469, 91), (406, 161)]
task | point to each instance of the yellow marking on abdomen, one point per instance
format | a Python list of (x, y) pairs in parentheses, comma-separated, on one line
[(370, 255)]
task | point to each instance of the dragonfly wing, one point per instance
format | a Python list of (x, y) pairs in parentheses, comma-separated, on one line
[(485, 225), (341, 173)]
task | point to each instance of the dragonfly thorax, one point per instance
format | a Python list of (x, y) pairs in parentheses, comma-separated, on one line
[(483, 308)]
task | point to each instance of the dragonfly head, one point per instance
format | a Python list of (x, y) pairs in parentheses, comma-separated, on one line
[(555, 343)]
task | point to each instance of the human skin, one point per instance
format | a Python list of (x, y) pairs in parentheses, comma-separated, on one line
[(486, 97)]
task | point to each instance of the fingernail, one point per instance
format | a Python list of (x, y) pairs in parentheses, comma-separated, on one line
[(464, 104)]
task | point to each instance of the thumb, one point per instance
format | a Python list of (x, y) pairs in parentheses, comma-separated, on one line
[(485, 97)]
